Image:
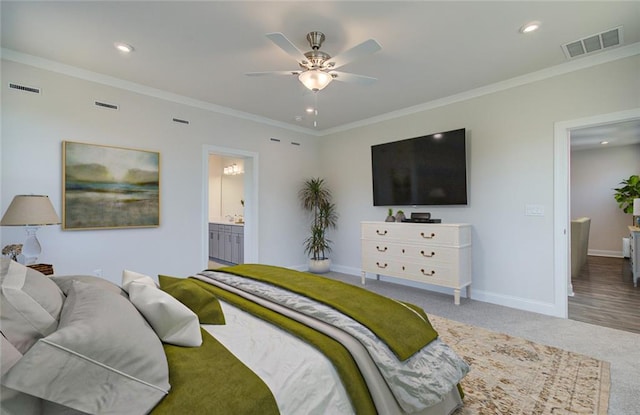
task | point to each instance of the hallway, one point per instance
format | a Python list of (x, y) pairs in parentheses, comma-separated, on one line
[(605, 295)]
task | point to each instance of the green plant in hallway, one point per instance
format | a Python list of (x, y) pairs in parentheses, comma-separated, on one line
[(316, 199), (625, 194)]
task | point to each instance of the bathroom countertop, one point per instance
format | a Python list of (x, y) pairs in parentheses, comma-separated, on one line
[(225, 222)]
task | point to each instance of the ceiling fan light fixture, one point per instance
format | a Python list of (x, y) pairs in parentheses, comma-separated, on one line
[(315, 79)]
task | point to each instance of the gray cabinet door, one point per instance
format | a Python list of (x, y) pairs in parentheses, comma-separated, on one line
[(237, 247), (227, 238), (214, 240)]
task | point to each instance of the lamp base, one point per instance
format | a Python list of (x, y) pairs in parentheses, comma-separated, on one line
[(31, 248)]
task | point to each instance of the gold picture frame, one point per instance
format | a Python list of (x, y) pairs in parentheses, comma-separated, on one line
[(105, 187)]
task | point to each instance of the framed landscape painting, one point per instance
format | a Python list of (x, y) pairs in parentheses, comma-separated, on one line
[(109, 187)]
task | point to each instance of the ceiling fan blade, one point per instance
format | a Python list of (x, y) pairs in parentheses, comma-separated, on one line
[(273, 73), (285, 44), (353, 78), (365, 48)]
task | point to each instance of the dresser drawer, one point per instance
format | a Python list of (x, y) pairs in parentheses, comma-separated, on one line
[(437, 274), (415, 253), (448, 235)]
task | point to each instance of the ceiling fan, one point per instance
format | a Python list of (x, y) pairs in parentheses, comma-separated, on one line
[(318, 68)]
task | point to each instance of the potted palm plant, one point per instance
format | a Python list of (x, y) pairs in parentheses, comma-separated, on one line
[(316, 199), (625, 194)]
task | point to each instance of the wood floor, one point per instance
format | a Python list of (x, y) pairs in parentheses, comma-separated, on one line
[(605, 295)]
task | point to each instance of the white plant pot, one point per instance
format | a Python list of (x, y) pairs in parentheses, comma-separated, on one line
[(319, 266)]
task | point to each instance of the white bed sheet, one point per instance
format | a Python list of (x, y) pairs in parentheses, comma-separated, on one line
[(301, 378)]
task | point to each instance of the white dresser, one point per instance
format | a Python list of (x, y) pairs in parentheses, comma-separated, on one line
[(437, 254), (634, 253)]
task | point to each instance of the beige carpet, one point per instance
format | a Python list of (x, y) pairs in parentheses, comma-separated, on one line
[(514, 376)]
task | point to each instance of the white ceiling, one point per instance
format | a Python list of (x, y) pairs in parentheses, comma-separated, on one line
[(201, 50)]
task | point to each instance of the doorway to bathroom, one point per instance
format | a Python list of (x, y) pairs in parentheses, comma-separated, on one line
[(230, 206)]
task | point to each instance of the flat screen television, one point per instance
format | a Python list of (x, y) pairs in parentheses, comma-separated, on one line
[(427, 170)]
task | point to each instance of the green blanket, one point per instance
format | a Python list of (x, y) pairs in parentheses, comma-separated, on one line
[(342, 361), (210, 380), (403, 329)]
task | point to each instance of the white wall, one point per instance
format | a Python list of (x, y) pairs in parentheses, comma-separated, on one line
[(215, 187), (33, 127), (511, 149), (511, 158), (594, 175)]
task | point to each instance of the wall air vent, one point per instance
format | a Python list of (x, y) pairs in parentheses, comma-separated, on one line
[(24, 88), (105, 105), (593, 43), (178, 120)]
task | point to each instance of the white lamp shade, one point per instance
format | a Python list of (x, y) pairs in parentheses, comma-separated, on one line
[(315, 79), (30, 210), (636, 207)]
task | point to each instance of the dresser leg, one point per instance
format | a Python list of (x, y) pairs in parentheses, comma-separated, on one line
[(456, 296), (364, 276), (469, 291)]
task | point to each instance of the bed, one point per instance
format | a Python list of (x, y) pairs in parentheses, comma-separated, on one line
[(245, 339)]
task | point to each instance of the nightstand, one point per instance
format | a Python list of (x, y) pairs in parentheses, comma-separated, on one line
[(46, 269)]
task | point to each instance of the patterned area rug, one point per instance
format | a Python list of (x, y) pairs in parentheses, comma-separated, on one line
[(514, 376)]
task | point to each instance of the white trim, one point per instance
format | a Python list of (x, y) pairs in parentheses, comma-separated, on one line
[(476, 295), (561, 206), (574, 65), (251, 193), (563, 68), (99, 78), (610, 254), (515, 302)]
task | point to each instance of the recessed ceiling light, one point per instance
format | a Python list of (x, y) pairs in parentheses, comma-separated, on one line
[(310, 110), (123, 47), (604, 142), (530, 27)]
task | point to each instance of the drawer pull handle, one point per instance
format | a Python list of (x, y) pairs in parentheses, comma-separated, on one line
[(381, 266), (381, 250), (428, 274), (433, 235), (428, 255), (381, 233)]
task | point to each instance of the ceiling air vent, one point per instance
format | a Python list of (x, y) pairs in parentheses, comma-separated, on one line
[(593, 43), (24, 88), (105, 105)]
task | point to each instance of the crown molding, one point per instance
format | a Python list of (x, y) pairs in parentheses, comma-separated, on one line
[(561, 69), (41, 63)]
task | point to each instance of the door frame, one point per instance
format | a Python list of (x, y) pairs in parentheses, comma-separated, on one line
[(562, 199), (251, 208)]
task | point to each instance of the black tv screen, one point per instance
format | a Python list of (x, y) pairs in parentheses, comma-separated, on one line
[(427, 170)]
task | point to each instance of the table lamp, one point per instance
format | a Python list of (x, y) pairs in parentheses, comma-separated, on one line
[(636, 211), (30, 211)]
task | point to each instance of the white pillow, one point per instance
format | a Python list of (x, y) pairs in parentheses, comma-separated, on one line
[(130, 276), (172, 321), (30, 304), (103, 359)]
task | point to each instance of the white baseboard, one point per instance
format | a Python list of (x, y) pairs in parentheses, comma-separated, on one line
[(599, 252), (525, 304)]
